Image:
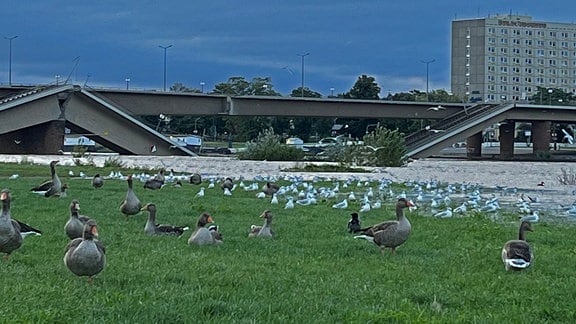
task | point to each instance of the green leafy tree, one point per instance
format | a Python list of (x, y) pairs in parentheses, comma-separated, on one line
[(307, 93), (553, 96), (364, 88), (179, 87)]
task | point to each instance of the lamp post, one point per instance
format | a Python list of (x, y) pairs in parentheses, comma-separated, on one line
[(332, 92), (202, 83), (550, 96), (10, 60), (57, 76), (427, 69), (165, 48), (127, 83), (302, 85)]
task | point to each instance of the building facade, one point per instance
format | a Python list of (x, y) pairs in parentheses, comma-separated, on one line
[(508, 57)]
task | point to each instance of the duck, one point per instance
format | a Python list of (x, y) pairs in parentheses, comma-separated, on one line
[(517, 254), (97, 181), (270, 188), (131, 205), (151, 228), (390, 234), (202, 235), (74, 227), (52, 187), (195, 179), (86, 255), (10, 237), (264, 230), (354, 223)]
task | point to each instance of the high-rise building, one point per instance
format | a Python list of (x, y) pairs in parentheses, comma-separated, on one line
[(508, 57)]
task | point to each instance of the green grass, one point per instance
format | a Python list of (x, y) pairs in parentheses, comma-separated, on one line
[(312, 272)]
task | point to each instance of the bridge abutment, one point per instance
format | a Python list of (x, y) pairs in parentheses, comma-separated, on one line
[(541, 137), (47, 138), (474, 146), (507, 140)]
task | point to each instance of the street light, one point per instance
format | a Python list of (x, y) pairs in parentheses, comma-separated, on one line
[(302, 56), (427, 66), (550, 96), (202, 83), (57, 76), (127, 83), (10, 60), (165, 48), (332, 92)]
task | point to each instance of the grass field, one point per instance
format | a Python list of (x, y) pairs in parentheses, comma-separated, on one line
[(312, 272)]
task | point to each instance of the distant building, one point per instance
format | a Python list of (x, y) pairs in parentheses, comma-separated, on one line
[(507, 57)]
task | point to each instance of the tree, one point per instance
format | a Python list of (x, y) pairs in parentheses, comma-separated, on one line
[(179, 87), (238, 86), (554, 96), (297, 93), (364, 88)]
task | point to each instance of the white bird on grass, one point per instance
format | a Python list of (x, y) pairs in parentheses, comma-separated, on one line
[(289, 203), (341, 205), (200, 193)]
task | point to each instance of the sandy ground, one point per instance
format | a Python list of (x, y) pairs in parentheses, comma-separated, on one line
[(525, 175)]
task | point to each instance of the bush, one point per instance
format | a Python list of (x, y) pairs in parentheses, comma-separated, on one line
[(268, 146), (384, 148)]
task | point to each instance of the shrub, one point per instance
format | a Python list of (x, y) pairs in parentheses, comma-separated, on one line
[(268, 146), (382, 148), (114, 162)]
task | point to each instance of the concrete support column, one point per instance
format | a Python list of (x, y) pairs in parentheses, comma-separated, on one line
[(541, 137), (474, 146), (507, 135), (47, 138)]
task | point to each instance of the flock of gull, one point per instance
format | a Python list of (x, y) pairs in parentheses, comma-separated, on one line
[(85, 255)]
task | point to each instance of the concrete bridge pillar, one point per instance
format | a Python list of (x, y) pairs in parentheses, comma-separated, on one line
[(47, 138), (541, 137), (507, 140), (474, 146)]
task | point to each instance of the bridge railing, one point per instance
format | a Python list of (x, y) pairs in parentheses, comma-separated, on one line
[(450, 123)]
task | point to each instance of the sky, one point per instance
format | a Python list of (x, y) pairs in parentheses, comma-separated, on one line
[(102, 43)]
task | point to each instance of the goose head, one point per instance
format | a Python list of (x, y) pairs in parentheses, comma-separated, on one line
[(90, 230), (204, 219), (149, 207)]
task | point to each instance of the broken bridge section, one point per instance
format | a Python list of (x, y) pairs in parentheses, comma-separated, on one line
[(33, 121)]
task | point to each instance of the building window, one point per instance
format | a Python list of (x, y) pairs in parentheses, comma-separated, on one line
[(503, 60), (515, 60), (528, 70), (516, 51), (528, 42), (504, 69), (540, 52), (552, 43), (503, 50), (491, 49), (552, 53), (552, 34), (528, 61), (503, 40), (552, 62), (540, 43), (528, 51), (564, 44)]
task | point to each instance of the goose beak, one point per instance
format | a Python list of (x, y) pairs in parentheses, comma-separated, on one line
[(210, 220), (94, 231), (3, 196)]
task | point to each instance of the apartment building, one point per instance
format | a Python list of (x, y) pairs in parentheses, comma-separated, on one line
[(507, 57)]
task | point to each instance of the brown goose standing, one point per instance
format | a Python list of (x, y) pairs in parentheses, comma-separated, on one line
[(390, 234), (52, 187), (131, 204), (86, 256), (153, 184), (74, 227), (227, 184), (97, 181), (264, 230), (203, 235), (10, 238), (151, 228), (270, 188), (517, 254)]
